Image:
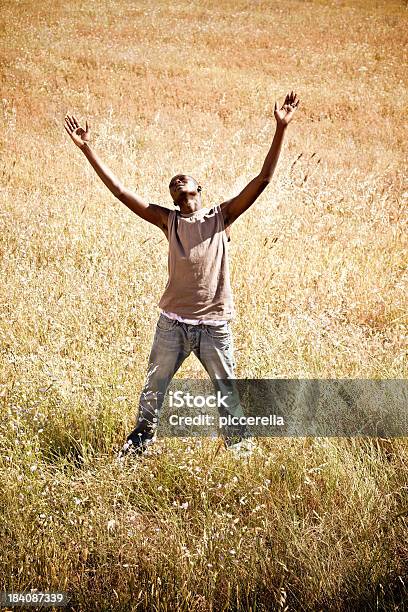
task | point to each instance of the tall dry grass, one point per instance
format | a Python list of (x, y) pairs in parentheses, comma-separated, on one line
[(319, 274)]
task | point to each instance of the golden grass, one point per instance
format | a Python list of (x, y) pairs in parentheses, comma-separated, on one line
[(319, 274)]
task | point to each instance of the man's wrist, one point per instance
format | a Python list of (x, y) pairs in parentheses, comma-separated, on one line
[(281, 128), (85, 147)]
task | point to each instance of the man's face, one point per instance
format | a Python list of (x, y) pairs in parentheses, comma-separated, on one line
[(182, 184)]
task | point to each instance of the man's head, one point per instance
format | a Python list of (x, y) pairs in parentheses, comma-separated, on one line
[(182, 186)]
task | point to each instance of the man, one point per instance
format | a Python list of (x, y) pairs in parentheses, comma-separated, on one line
[(197, 303)]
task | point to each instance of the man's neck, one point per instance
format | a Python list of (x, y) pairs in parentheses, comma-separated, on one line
[(190, 205)]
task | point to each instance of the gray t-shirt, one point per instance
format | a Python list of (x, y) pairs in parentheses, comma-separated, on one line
[(199, 281)]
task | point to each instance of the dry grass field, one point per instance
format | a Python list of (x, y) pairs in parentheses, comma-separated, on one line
[(319, 275)]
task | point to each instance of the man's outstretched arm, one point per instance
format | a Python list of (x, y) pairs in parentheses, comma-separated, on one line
[(153, 213), (234, 207)]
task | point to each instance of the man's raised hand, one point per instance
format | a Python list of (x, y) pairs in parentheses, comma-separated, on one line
[(78, 134), (285, 114)]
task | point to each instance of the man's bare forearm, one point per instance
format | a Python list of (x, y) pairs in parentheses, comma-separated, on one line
[(102, 170), (271, 159)]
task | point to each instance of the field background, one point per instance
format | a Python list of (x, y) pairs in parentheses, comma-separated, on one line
[(319, 274)]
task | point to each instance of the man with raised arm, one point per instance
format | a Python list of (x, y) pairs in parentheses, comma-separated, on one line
[(197, 304)]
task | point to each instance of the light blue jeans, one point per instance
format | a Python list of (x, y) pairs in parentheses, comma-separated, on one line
[(173, 342)]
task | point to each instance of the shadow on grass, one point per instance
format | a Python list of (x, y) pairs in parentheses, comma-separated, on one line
[(61, 446)]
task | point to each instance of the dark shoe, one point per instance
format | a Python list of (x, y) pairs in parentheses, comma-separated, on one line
[(135, 445)]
